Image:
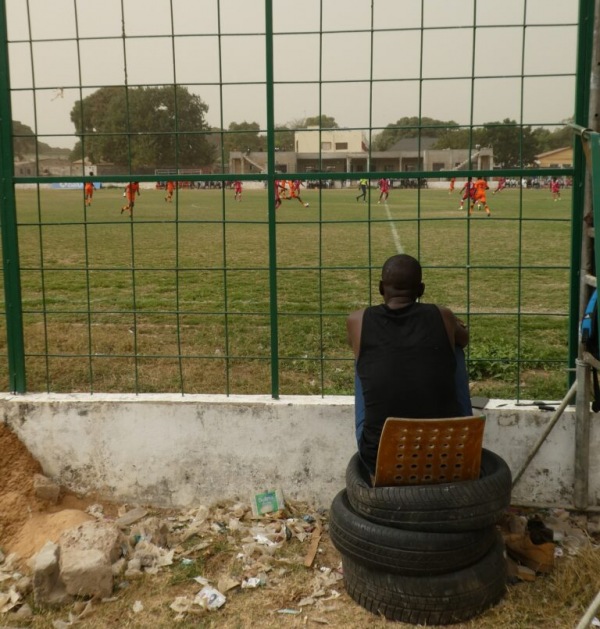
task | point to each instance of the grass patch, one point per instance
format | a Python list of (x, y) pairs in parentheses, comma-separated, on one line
[(180, 299), (184, 572)]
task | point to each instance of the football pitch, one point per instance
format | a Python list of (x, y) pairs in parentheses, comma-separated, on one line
[(179, 298)]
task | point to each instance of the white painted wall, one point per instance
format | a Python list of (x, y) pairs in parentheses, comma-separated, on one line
[(172, 450), (312, 140)]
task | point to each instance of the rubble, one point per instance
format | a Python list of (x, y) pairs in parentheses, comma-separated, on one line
[(45, 489), (219, 553), (48, 588), (127, 519), (89, 559), (86, 573)]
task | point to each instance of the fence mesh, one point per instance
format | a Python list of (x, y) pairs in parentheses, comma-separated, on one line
[(208, 292)]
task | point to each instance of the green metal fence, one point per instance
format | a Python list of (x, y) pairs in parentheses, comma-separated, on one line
[(214, 295)]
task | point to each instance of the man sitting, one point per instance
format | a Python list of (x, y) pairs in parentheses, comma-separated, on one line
[(405, 355)]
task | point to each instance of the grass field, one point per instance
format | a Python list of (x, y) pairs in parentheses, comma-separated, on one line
[(178, 299)]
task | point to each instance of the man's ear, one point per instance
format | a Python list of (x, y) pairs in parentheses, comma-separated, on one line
[(381, 288), (420, 290)]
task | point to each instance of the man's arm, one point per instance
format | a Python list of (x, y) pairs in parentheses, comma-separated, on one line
[(458, 332), (353, 329)]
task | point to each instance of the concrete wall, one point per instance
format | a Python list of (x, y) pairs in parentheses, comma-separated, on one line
[(169, 450)]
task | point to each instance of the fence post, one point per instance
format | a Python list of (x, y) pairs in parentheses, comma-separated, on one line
[(586, 110), (271, 176), (8, 224)]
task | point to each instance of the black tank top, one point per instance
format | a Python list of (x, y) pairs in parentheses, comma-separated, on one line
[(406, 367)]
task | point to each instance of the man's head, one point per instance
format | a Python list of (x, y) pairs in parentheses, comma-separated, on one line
[(401, 276)]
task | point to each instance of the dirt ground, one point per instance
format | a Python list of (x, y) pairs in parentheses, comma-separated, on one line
[(290, 593)]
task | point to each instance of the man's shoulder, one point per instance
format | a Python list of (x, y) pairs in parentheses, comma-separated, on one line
[(444, 311), (357, 314), (436, 307)]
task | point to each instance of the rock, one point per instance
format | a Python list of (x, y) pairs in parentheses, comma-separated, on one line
[(24, 586), (102, 536), (24, 612), (45, 489), (48, 588), (86, 572), (118, 568), (86, 557)]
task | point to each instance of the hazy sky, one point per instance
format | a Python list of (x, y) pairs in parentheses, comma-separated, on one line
[(523, 74)]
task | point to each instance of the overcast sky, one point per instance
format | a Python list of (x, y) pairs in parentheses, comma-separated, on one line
[(523, 74)]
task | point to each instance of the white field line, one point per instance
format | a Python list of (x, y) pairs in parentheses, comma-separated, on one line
[(395, 235)]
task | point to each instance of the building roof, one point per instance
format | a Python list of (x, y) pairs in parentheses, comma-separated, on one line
[(554, 152)]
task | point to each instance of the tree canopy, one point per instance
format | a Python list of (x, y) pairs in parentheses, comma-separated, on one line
[(147, 127), (245, 137), (284, 138), (323, 121), (556, 139), (513, 145), (25, 142), (411, 127)]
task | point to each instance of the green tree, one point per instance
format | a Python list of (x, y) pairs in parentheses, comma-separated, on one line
[(458, 138), (284, 138), (243, 136), (146, 127), (322, 121), (411, 127), (513, 145), (23, 139), (25, 142), (556, 139)]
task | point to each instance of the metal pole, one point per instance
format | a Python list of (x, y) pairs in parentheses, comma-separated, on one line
[(271, 176), (582, 436), (8, 222), (586, 201), (587, 618), (557, 413)]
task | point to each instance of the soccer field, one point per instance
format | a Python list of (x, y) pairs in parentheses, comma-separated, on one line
[(178, 299)]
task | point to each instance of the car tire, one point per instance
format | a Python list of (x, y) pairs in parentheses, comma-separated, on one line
[(445, 507), (429, 600), (401, 551)]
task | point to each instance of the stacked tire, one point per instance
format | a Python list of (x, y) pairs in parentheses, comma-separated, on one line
[(423, 554)]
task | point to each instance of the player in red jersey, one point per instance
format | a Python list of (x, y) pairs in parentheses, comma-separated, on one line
[(452, 182), (237, 186), (468, 192), (555, 188), (501, 185), (279, 187), (384, 189)]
